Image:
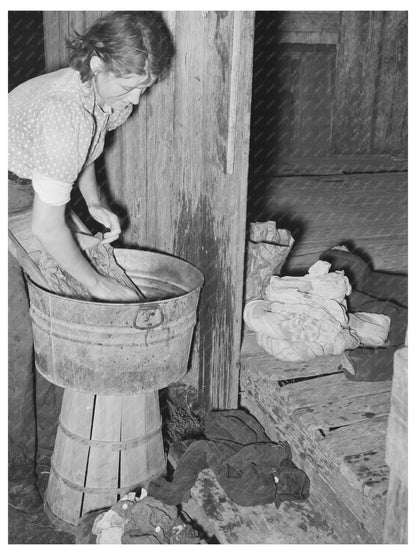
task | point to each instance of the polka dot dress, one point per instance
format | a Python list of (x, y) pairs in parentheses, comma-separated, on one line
[(56, 127)]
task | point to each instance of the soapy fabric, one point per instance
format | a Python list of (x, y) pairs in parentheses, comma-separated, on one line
[(102, 259), (302, 318)]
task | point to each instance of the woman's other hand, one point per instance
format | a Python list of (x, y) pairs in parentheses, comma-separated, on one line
[(108, 219)]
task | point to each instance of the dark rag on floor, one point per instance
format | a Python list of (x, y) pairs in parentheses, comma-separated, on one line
[(251, 469), (379, 292)]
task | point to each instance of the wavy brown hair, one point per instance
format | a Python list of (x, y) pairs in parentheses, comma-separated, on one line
[(124, 41)]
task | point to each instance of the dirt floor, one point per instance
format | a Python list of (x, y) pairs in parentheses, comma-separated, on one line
[(36, 528)]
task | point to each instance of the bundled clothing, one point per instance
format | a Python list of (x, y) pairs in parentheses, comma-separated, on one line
[(305, 317), (375, 292), (251, 469)]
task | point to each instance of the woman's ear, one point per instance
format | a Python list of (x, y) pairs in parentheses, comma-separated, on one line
[(96, 64)]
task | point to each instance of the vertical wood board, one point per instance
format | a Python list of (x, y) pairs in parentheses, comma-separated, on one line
[(369, 102)]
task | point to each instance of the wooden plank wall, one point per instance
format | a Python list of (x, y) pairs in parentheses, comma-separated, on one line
[(178, 171), (328, 153)]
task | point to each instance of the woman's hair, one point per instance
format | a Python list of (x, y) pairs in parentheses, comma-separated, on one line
[(126, 42)]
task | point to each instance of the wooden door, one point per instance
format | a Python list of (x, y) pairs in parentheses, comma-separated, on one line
[(328, 155), (178, 171)]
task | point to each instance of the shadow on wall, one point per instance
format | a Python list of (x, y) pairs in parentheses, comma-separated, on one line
[(26, 47)]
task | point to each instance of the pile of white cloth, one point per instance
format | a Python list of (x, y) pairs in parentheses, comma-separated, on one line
[(306, 317)]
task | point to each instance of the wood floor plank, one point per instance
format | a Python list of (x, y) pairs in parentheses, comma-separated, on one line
[(355, 438), (368, 472), (325, 389), (331, 414), (257, 360)]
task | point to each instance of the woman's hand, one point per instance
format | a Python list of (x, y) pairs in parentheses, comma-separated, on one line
[(107, 289), (49, 226), (108, 219)]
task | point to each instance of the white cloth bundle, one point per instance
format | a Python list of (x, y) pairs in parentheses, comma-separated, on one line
[(305, 317)]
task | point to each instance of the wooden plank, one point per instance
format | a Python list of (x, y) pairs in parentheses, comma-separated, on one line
[(340, 164), (221, 221), (219, 29), (296, 100), (396, 521), (103, 462), (395, 259), (395, 524), (52, 39), (325, 389), (55, 27), (307, 21), (368, 472), (153, 447), (400, 392), (391, 105), (218, 369), (292, 523), (355, 438), (331, 414), (127, 173), (307, 37), (133, 418), (70, 457), (232, 107), (255, 359), (360, 451), (314, 91), (238, 208), (181, 119), (277, 370), (154, 174)]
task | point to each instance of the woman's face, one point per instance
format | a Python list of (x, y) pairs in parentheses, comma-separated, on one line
[(119, 92)]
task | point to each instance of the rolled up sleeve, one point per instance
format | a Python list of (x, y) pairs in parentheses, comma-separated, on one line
[(51, 190)]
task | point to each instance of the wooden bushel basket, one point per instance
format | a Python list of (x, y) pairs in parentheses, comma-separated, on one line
[(105, 446)]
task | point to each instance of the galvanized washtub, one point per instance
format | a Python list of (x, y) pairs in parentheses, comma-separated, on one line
[(120, 348)]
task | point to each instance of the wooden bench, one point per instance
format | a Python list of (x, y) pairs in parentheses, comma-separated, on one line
[(336, 429)]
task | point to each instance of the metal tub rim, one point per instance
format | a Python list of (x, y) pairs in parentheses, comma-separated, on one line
[(198, 275)]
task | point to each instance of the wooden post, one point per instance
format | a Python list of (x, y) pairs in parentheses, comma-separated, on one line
[(178, 167), (395, 522)]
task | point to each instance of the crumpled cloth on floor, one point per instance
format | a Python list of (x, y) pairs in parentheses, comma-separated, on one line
[(251, 469), (133, 520), (306, 317), (379, 293)]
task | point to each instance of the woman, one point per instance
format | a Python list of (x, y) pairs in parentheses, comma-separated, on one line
[(57, 127)]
